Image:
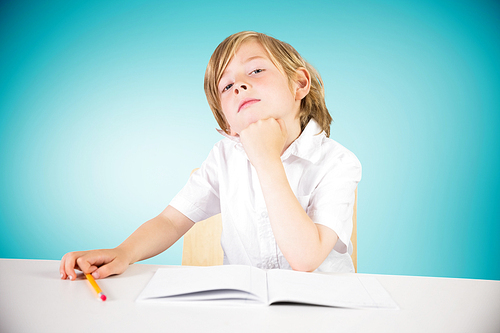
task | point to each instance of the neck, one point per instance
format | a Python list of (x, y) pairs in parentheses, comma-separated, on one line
[(294, 131)]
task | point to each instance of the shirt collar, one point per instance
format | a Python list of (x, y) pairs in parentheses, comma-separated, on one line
[(306, 146)]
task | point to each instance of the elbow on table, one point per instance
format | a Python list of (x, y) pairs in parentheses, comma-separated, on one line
[(307, 266), (309, 256)]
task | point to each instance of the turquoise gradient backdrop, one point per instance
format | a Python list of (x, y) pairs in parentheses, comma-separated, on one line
[(103, 116)]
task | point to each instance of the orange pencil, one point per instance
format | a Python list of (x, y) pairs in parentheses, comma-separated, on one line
[(96, 287)]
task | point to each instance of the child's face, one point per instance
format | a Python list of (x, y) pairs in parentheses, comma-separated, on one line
[(252, 88)]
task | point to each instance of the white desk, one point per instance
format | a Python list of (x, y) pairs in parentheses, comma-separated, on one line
[(34, 299)]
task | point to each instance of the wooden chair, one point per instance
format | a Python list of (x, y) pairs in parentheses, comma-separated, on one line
[(202, 242)]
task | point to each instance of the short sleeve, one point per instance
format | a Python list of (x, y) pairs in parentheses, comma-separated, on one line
[(332, 202), (199, 198)]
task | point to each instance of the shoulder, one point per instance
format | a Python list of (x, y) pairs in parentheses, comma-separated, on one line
[(226, 152), (335, 154), (225, 143), (314, 146), (227, 147)]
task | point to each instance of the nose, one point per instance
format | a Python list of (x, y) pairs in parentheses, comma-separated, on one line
[(240, 87)]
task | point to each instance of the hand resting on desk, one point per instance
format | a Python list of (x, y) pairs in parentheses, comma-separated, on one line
[(150, 239), (100, 263)]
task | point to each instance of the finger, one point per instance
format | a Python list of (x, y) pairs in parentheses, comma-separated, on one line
[(91, 260), (84, 264), (61, 268), (114, 267), (70, 265)]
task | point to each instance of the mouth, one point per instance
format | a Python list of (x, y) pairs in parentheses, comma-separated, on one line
[(247, 102)]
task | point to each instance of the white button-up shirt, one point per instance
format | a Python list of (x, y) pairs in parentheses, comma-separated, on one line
[(322, 174)]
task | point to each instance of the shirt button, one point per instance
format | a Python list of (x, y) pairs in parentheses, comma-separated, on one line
[(263, 215)]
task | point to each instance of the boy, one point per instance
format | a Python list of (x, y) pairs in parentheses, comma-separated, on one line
[(285, 191)]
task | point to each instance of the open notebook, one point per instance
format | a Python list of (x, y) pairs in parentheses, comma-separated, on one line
[(230, 284)]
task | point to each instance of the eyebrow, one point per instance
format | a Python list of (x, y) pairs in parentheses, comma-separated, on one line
[(254, 57)]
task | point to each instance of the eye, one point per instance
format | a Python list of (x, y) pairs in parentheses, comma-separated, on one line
[(256, 71), (226, 88)]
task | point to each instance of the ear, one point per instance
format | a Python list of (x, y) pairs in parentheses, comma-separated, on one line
[(303, 83)]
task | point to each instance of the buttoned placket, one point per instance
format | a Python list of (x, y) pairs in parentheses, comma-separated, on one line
[(267, 242)]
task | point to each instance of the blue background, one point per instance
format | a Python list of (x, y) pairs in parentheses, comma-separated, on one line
[(103, 116)]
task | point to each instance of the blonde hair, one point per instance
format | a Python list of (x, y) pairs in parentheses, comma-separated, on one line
[(286, 59)]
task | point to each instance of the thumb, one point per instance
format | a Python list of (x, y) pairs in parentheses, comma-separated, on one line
[(114, 267)]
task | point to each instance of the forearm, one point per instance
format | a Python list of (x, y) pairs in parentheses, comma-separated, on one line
[(300, 240), (155, 235), (304, 244), (150, 239)]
